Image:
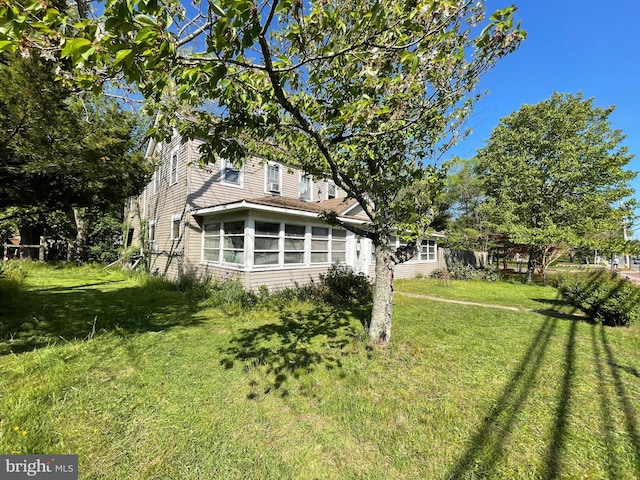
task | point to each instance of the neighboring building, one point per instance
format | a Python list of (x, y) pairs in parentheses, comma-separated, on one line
[(259, 223)]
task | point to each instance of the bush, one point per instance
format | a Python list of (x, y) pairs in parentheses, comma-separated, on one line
[(341, 285), (461, 271), (225, 292), (104, 252), (604, 296), (12, 271)]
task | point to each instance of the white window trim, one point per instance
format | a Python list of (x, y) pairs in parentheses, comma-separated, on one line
[(175, 153), (222, 232), (266, 178), (156, 179), (302, 175), (153, 244), (418, 258), (226, 164), (177, 217), (330, 183)]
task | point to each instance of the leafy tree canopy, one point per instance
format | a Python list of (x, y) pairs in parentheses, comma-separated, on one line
[(369, 93), (554, 173)]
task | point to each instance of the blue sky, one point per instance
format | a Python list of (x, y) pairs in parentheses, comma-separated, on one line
[(591, 46)]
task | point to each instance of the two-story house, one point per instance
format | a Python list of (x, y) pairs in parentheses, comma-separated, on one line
[(259, 223)]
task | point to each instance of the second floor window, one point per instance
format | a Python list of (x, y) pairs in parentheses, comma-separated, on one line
[(306, 188), (174, 167), (230, 173), (156, 179), (273, 178), (331, 190)]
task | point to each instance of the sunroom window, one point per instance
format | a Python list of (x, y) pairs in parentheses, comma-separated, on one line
[(233, 242), (338, 245), (266, 244), (294, 244), (319, 244), (212, 242), (428, 251), (224, 241)]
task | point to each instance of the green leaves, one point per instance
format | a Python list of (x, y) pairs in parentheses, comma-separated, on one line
[(554, 173), (75, 48)]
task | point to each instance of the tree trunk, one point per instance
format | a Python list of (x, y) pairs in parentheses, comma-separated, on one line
[(79, 250), (380, 326), (531, 267)]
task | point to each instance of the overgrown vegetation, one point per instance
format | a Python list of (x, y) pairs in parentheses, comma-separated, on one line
[(171, 387), (603, 295), (463, 271)]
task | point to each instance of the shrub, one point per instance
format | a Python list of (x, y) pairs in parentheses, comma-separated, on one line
[(461, 271), (225, 292), (342, 285), (104, 252), (489, 274), (604, 296), (12, 271)]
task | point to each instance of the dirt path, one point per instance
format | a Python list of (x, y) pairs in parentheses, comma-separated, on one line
[(462, 302), (576, 315)]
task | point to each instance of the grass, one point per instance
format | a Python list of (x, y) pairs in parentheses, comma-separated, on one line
[(171, 387), (512, 294)]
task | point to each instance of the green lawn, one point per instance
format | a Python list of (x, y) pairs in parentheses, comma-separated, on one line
[(170, 387)]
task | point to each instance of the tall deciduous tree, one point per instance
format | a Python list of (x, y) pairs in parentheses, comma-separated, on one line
[(368, 93), (63, 153), (554, 173)]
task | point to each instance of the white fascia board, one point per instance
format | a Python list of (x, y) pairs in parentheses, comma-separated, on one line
[(244, 205)]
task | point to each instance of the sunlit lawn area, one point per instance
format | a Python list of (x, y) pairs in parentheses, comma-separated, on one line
[(166, 386)]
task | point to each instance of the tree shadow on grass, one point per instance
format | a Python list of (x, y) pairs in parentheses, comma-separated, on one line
[(604, 357), (37, 318), (487, 444), (293, 346)]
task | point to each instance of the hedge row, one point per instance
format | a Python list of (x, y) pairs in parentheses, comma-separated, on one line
[(603, 295)]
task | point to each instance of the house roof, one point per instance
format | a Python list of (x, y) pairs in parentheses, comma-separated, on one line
[(338, 205), (286, 205)]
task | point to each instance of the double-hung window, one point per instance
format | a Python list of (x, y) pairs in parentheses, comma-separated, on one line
[(156, 179), (273, 178), (230, 173), (152, 234), (176, 220), (331, 190), (174, 167), (306, 188)]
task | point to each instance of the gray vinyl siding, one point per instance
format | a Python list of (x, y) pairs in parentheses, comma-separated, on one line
[(283, 278), (411, 270), (200, 186), (166, 258)]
